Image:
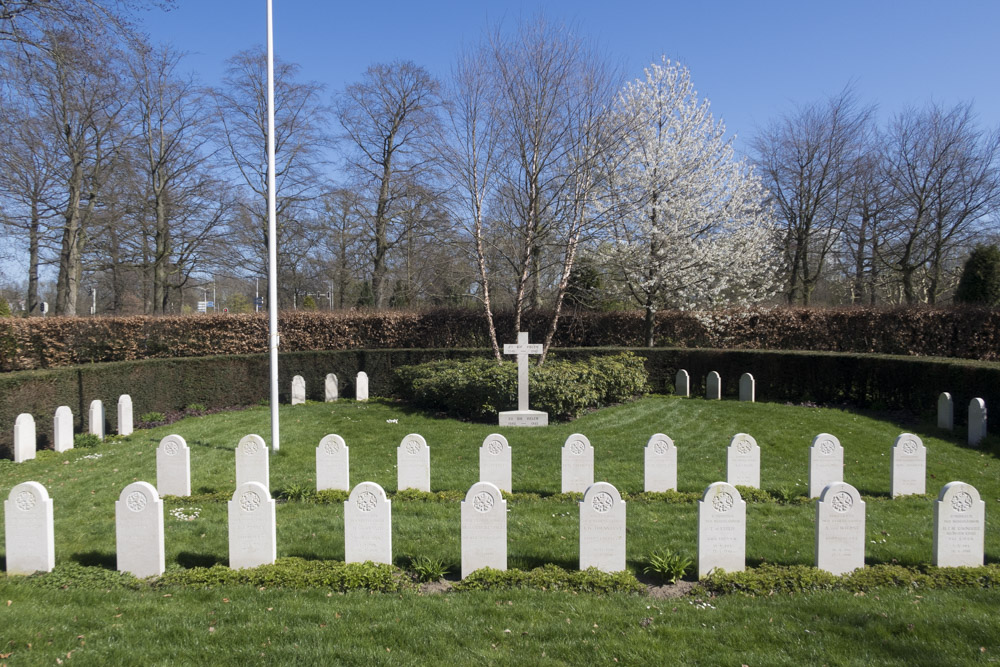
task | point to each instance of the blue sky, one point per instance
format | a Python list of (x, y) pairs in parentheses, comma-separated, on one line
[(754, 60)]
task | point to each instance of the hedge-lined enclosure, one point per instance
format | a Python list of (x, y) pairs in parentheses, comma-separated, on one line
[(892, 383), (34, 343)]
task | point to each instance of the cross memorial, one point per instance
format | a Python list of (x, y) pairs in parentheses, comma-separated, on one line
[(523, 416)]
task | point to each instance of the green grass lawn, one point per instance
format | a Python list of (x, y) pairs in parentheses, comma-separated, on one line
[(234, 624)]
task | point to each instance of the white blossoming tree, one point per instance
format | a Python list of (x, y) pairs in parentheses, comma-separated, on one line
[(691, 227)]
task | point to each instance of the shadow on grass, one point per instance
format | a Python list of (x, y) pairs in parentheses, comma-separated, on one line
[(188, 559), (109, 561)]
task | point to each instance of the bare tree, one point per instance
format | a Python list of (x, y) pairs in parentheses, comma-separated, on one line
[(24, 24)]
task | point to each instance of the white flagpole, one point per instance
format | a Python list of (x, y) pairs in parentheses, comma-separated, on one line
[(272, 238)]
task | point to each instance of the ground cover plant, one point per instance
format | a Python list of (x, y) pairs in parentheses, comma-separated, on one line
[(310, 607)]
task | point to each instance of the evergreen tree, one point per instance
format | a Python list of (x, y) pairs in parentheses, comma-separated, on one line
[(980, 281)]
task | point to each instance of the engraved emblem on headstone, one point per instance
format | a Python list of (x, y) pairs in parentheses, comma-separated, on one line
[(910, 447), (412, 446), (136, 501), (331, 447), (961, 502), (251, 447), (842, 502), (250, 501), (743, 447), (483, 502), (494, 447), (826, 447), (660, 447), (170, 448), (723, 502), (602, 502), (366, 501), (577, 447), (25, 501)]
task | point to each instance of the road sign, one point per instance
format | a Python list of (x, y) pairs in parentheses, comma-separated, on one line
[(202, 306), (258, 301), (225, 310), (210, 304)]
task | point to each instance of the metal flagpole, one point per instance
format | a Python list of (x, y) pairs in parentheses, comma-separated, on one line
[(272, 238)]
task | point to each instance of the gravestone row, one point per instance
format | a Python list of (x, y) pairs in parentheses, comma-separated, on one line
[(25, 434), (713, 386), (331, 388)]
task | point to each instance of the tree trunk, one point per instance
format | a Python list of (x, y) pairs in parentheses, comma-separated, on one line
[(649, 324), (33, 235)]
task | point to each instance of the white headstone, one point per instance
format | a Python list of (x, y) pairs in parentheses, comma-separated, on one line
[(330, 387), (252, 537), (722, 529), (413, 463), (840, 529), (25, 441), (95, 422), (139, 531), (367, 525), (660, 464), (748, 388), (523, 416), (577, 464), (298, 390), (602, 528), (959, 526), (713, 387), (826, 463), (125, 415), (946, 411), (252, 461), (28, 529), (332, 464), (361, 387), (743, 461), (173, 467), (495, 462), (909, 466), (62, 429), (682, 383), (484, 529), (977, 421)]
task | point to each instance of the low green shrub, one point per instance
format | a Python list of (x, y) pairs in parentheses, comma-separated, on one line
[(152, 417), (551, 577), (296, 574), (667, 566), (72, 575), (85, 441), (427, 568), (195, 407)]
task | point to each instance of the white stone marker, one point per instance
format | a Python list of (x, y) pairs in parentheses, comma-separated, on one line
[(484, 529), (826, 463), (252, 461), (909, 466), (173, 467), (977, 421), (25, 441), (748, 388), (252, 537), (722, 530), (577, 464), (840, 529), (523, 416), (95, 423), (946, 411), (333, 464), (495, 462), (330, 387), (125, 415), (743, 461), (28, 529), (413, 463), (959, 526), (682, 384), (660, 469), (139, 531), (361, 387), (368, 525), (298, 390), (713, 387), (62, 429), (602, 528)]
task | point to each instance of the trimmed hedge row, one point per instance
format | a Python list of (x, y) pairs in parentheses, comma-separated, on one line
[(910, 384), (35, 343)]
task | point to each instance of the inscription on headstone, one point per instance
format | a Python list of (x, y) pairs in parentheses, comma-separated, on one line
[(495, 462), (840, 529), (660, 470), (62, 429), (682, 383), (743, 461), (602, 528), (298, 390), (252, 461), (95, 421), (977, 421), (361, 387), (333, 464), (959, 526), (28, 529), (748, 388), (125, 415), (139, 531), (413, 463), (722, 529), (368, 525), (484, 529), (909, 466), (946, 412), (330, 388), (826, 463), (173, 467), (577, 464), (252, 536), (25, 441), (523, 416), (713, 387)]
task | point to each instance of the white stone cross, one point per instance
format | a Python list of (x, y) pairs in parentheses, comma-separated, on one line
[(522, 349)]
